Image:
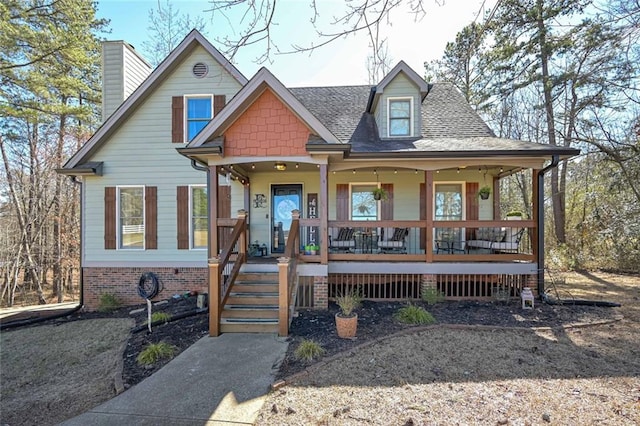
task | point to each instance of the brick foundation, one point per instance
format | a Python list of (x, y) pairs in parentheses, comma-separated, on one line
[(321, 292), (123, 283)]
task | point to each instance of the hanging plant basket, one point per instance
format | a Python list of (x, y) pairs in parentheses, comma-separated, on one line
[(484, 193), (379, 194)]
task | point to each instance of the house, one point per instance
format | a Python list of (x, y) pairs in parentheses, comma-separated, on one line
[(285, 179)]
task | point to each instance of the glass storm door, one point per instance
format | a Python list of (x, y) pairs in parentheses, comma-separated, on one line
[(449, 206), (284, 199)]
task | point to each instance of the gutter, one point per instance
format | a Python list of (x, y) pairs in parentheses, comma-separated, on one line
[(555, 160), (30, 321)]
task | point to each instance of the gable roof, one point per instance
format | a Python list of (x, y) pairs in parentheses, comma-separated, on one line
[(450, 127), (120, 115), (260, 82), (401, 67)]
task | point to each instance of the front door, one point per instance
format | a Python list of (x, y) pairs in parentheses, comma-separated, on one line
[(284, 199), (449, 205)]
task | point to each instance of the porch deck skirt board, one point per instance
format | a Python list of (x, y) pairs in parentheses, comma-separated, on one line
[(390, 287)]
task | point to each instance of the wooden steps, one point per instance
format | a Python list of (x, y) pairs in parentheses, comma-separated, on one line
[(252, 305)]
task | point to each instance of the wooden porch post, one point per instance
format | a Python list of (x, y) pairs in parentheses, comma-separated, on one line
[(283, 296), (212, 195), (214, 296), (323, 210), (242, 240), (428, 187), (533, 233), (496, 198), (247, 205)]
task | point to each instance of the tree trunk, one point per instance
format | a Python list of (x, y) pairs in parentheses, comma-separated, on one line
[(556, 194)]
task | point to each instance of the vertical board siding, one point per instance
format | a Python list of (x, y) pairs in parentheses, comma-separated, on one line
[(182, 201), (304, 298), (219, 101), (342, 201), (386, 206), (423, 214), (151, 217), (177, 119), (473, 207), (110, 218)]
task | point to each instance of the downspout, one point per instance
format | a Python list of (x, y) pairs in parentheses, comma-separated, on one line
[(202, 168), (555, 160), (29, 321)]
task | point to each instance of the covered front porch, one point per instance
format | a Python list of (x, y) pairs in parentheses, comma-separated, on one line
[(457, 244)]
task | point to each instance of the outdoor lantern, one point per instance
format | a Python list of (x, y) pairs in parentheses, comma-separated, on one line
[(527, 298)]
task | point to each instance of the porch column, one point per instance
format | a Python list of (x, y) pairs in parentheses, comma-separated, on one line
[(214, 296), (428, 187), (247, 204), (212, 214), (535, 194), (323, 210), (496, 198)]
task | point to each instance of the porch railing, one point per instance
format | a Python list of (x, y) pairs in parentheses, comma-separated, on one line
[(224, 268), (446, 241), (288, 277)]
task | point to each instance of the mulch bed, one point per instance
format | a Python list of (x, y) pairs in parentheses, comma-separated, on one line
[(375, 320)]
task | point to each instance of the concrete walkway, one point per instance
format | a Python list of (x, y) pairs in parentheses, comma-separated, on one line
[(217, 381)]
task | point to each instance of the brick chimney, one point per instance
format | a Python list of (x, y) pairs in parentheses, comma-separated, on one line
[(123, 70)]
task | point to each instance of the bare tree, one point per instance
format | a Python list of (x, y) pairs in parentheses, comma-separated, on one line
[(258, 17)]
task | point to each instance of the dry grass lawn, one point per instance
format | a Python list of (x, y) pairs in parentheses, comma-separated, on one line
[(53, 372), (442, 375)]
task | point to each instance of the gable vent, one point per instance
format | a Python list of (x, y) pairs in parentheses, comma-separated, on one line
[(200, 70)]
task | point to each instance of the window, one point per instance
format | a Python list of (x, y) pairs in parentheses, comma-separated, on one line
[(131, 217), (199, 221), (198, 114), (400, 117), (449, 205), (363, 205)]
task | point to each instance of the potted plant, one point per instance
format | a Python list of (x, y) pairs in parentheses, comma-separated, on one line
[(314, 249), (514, 215), (346, 319), (484, 192), (379, 194)]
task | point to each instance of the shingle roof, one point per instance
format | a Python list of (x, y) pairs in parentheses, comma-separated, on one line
[(339, 108), (448, 123)]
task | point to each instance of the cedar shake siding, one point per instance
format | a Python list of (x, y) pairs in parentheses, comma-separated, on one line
[(267, 128)]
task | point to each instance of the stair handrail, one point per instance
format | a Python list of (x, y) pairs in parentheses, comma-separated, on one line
[(287, 276), (219, 288)]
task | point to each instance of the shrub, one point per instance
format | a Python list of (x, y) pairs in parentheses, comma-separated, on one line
[(308, 350), (432, 295), (414, 315), (108, 303), (155, 352), (348, 302), (160, 317)]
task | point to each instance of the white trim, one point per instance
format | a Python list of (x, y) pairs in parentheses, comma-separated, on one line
[(463, 192), (191, 246), (411, 116), (144, 212), (351, 185), (185, 113)]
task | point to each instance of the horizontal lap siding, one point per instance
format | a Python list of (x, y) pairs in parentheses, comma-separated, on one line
[(400, 87), (141, 153)]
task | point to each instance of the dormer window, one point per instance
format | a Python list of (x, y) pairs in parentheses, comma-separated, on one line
[(400, 116), (198, 114)]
